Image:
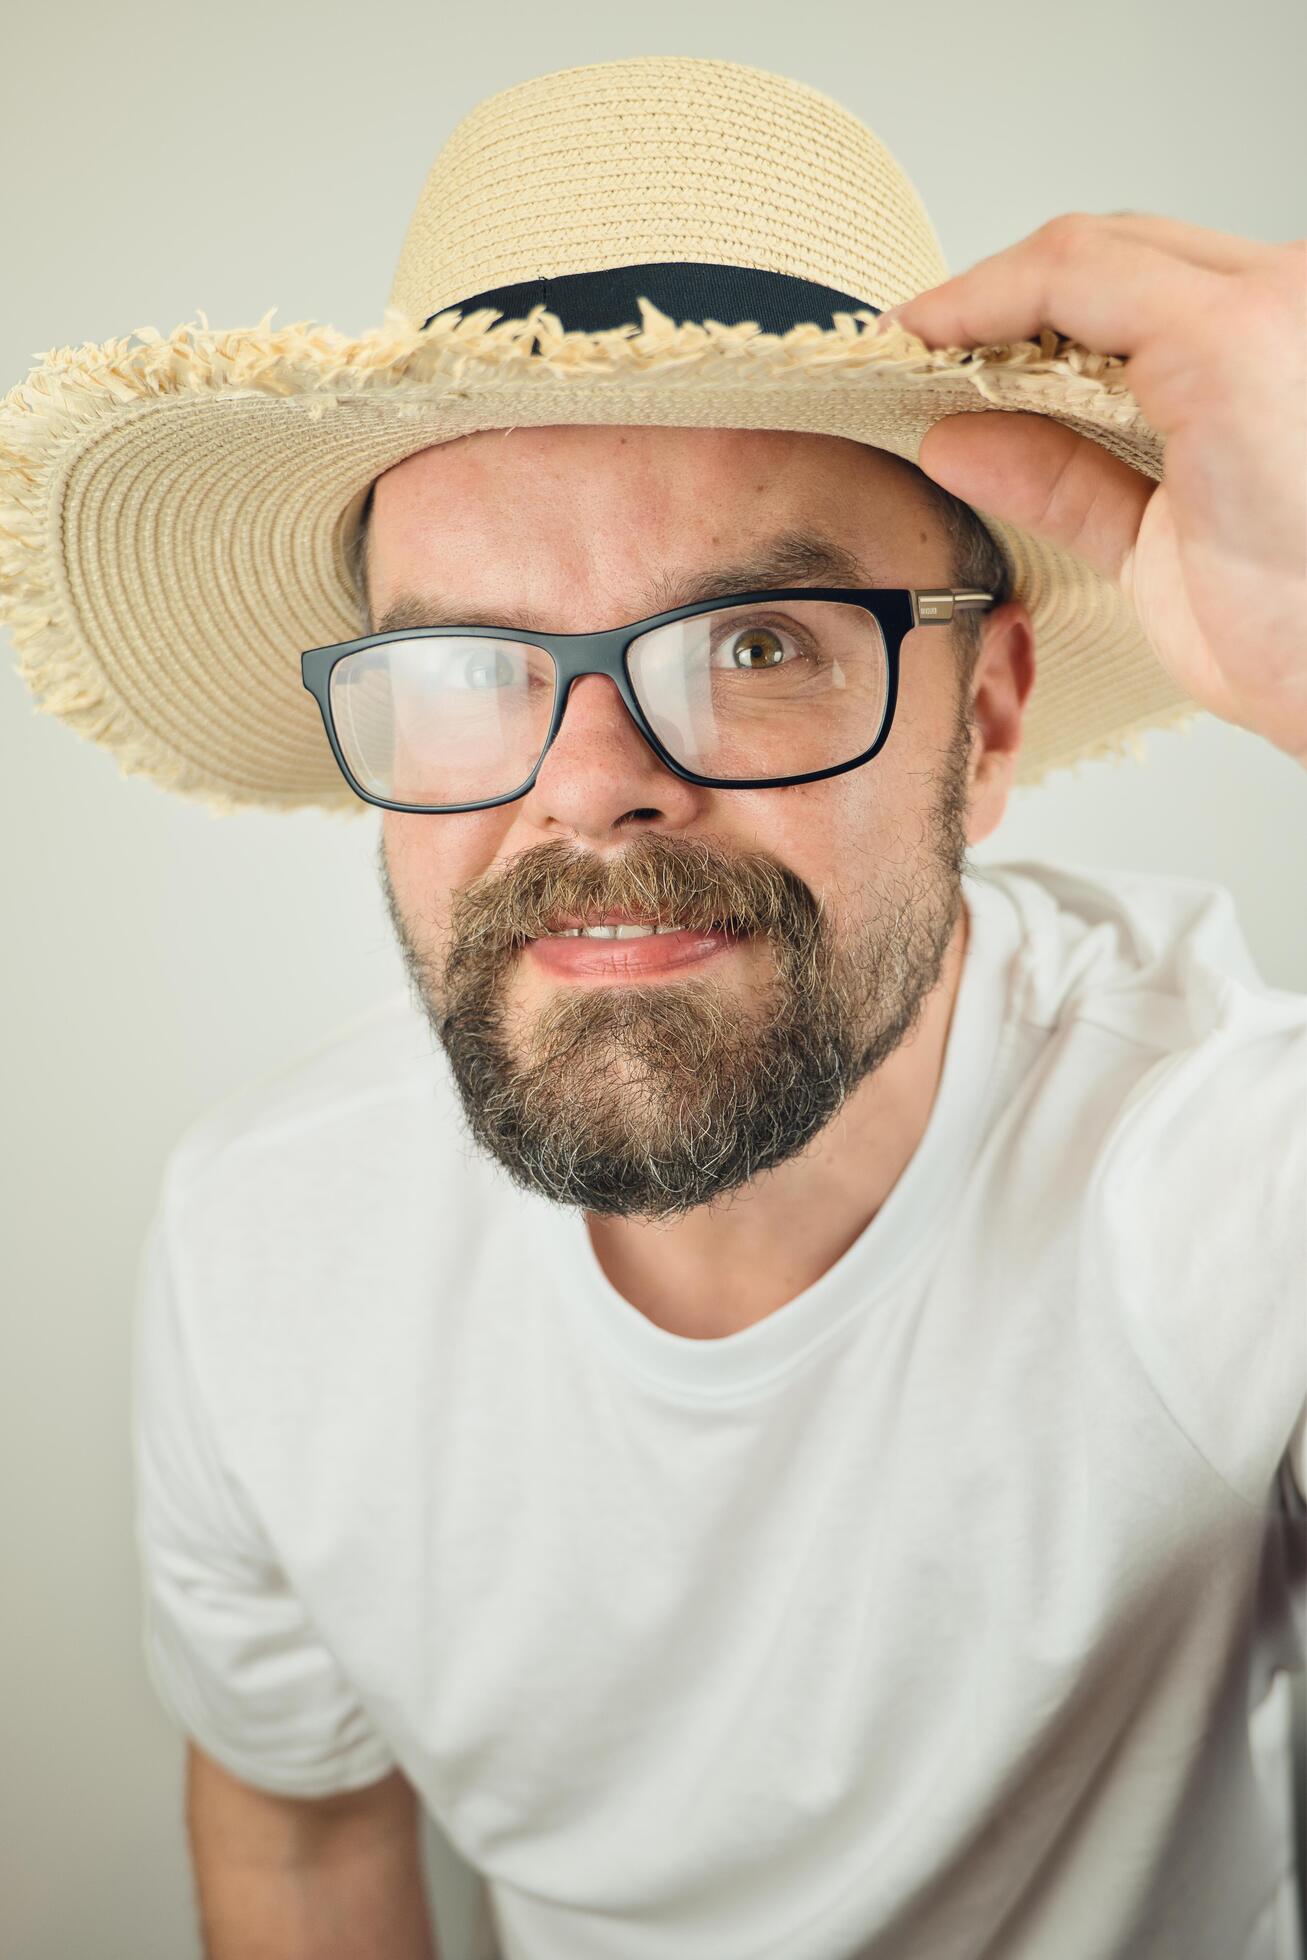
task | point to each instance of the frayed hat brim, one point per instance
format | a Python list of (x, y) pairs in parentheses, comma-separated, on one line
[(176, 512)]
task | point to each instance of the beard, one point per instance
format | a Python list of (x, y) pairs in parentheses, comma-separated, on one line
[(651, 1101)]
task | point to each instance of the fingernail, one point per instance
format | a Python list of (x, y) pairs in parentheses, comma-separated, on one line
[(890, 313)]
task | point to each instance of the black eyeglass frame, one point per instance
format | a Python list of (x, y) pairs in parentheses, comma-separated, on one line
[(896, 608)]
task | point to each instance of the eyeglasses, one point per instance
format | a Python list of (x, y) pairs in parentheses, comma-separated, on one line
[(759, 691)]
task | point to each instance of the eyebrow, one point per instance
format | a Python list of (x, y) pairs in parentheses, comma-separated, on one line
[(791, 558)]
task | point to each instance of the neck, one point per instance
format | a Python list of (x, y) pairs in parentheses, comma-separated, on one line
[(718, 1271)]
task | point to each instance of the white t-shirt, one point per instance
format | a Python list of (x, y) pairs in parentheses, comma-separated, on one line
[(929, 1616)]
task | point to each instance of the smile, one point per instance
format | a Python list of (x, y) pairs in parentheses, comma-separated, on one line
[(627, 952)]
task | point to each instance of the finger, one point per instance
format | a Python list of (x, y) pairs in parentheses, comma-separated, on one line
[(1218, 251), (1036, 473), (1076, 275)]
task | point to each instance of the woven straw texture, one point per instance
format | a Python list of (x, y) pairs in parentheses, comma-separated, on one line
[(176, 512)]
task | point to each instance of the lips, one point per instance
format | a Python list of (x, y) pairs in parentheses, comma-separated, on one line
[(649, 957)]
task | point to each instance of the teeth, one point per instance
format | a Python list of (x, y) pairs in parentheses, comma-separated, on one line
[(611, 932)]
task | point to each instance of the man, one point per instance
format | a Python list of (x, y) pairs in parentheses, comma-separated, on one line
[(778, 1430), (735, 1053)]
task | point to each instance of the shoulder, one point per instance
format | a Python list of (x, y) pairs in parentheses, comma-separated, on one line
[(314, 1215), (1141, 1035), (377, 1083), (1154, 971), (1162, 959), (1191, 1221)]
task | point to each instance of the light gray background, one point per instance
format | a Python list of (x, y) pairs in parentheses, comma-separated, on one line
[(249, 156)]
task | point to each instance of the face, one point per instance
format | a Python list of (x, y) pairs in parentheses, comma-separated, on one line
[(647, 1078)]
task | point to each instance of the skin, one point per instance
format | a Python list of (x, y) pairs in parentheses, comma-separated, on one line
[(1212, 330), (854, 880)]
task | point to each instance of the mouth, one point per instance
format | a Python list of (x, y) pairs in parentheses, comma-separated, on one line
[(623, 925), (617, 949), (626, 926)]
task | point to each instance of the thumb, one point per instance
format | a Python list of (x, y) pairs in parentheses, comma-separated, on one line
[(1034, 472)]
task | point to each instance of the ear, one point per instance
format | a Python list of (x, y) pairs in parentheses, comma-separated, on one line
[(1001, 681)]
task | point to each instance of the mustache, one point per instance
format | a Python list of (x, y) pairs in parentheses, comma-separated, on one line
[(682, 881)]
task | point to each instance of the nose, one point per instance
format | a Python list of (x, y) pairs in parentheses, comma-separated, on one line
[(600, 768)]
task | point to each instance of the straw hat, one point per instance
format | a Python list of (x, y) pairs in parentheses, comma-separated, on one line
[(662, 240)]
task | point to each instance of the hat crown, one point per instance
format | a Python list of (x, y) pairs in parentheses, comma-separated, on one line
[(660, 158)]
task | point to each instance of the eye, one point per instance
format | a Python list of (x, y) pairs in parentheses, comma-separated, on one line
[(489, 667), (756, 647)]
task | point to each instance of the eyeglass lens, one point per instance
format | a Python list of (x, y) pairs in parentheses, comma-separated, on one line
[(741, 693)]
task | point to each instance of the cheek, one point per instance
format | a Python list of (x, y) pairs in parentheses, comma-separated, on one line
[(432, 858), (853, 839), (817, 827)]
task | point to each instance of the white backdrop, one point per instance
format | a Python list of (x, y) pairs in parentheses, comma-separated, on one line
[(251, 156)]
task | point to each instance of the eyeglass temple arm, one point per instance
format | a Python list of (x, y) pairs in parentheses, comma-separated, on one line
[(937, 608)]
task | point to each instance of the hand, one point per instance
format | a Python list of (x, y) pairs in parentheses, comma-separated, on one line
[(1213, 328)]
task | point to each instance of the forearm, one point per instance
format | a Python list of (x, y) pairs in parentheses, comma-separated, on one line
[(288, 1878), (362, 1903)]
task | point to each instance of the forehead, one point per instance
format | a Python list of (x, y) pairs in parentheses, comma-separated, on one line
[(673, 515), (671, 460)]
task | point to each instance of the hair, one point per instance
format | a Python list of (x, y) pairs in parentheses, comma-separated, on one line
[(977, 561), (356, 555)]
